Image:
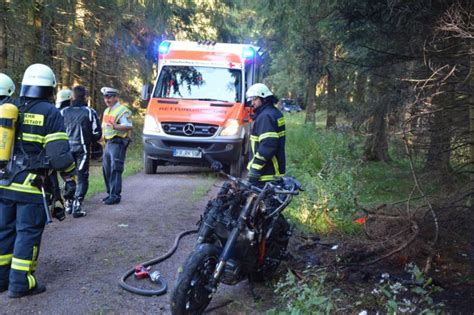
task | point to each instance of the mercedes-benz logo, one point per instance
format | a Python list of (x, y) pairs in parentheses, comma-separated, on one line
[(189, 129)]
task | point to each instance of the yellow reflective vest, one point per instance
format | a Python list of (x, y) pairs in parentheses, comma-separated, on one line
[(113, 115)]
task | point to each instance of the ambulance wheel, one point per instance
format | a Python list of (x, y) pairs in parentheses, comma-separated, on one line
[(150, 165), (236, 167)]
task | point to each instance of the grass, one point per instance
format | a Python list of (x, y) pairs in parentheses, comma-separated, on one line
[(329, 165), (201, 191)]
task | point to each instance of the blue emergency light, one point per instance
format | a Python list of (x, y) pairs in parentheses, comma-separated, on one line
[(164, 48), (248, 53)]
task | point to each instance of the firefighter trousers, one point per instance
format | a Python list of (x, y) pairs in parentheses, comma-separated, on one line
[(113, 164), (21, 228)]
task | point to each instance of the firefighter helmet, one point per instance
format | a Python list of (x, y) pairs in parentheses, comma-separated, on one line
[(63, 95), (38, 81), (260, 90), (7, 87)]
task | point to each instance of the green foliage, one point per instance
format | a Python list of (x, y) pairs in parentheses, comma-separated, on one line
[(303, 297), (414, 297), (322, 161)]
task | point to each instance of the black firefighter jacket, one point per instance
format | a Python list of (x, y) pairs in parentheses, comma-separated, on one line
[(82, 126), (267, 141), (41, 145)]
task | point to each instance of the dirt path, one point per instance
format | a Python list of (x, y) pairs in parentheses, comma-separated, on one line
[(81, 260)]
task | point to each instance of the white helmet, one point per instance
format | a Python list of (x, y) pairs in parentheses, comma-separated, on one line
[(7, 87), (38, 81), (260, 90), (63, 95)]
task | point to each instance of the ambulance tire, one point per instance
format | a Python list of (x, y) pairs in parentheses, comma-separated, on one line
[(237, 167), (150, 165)]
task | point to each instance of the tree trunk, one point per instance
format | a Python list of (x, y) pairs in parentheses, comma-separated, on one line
[(331, 111), (311, 105), (359, 98), (34, 19), (439, 151), (471, 146), (376, 144), (3, 36)]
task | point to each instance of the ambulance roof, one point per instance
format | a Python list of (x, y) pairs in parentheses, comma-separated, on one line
[(212, 46)]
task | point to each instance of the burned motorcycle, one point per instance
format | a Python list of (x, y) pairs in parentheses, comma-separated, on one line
[(242, 235)]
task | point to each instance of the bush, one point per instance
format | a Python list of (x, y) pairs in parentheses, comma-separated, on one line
[(322, 161)]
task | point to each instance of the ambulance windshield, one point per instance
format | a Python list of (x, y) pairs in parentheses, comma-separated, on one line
[(200, 83)]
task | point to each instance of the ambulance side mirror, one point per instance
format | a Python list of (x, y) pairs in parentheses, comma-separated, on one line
[(146, 91)]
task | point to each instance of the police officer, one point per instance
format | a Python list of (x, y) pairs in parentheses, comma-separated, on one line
[(116, 125), (267, 139), (83, 128), (63, 98), (41, 146), (7, 88)]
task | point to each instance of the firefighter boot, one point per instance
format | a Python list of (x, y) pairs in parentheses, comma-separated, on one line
[(77, 211), (39, 288), (68, 206)]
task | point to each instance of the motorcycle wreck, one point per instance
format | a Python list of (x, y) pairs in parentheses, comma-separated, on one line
[(242, 235)]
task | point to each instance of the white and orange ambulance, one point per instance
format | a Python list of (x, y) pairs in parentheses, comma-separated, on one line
[(198, 101)]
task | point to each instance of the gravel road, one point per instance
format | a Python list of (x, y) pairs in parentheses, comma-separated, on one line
[(81, 260)]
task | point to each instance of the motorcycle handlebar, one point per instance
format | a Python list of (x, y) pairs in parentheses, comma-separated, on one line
[(217, 166)]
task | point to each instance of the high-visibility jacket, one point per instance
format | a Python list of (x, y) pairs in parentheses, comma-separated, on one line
[(42, 145), (267, 141), (113, 115)]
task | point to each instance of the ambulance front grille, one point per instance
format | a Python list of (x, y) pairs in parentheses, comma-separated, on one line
[(186, 129)]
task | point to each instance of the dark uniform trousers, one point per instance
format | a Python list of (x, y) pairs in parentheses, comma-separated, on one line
[(113, 162), (82, 162), (21, 227)]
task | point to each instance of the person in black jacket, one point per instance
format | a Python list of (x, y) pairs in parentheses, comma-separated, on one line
[(83, 128), (267, 138), (41, 146)]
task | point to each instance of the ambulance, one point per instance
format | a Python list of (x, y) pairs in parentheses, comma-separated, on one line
[(198, 104)]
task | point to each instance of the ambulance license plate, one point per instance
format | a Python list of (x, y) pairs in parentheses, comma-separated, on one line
[(195, 154)]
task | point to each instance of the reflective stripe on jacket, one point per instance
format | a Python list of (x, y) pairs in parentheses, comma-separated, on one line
[(267, 141), (114, 115)]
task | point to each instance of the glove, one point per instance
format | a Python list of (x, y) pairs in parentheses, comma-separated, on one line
[(216, 166), (253, 177), (69, 189)]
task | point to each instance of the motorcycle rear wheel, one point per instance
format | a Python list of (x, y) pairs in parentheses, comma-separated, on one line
[(191, 294)]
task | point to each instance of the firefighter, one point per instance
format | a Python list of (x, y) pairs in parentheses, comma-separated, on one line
[(116, 125), (7, 88), (83, 128), (63, 98), (41, 146), (267, 138)]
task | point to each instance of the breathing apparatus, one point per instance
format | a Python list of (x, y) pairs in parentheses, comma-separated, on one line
[(8, 119)]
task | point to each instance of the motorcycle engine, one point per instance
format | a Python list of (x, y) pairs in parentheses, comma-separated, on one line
[(232, 273)]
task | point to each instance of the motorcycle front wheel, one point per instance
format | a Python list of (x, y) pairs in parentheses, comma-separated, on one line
[(192, 293)]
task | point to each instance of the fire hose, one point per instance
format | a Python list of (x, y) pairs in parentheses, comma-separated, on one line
[(143, 270)]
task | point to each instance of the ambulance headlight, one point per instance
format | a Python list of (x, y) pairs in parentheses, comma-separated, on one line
[(231, 128), (151, 125)]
